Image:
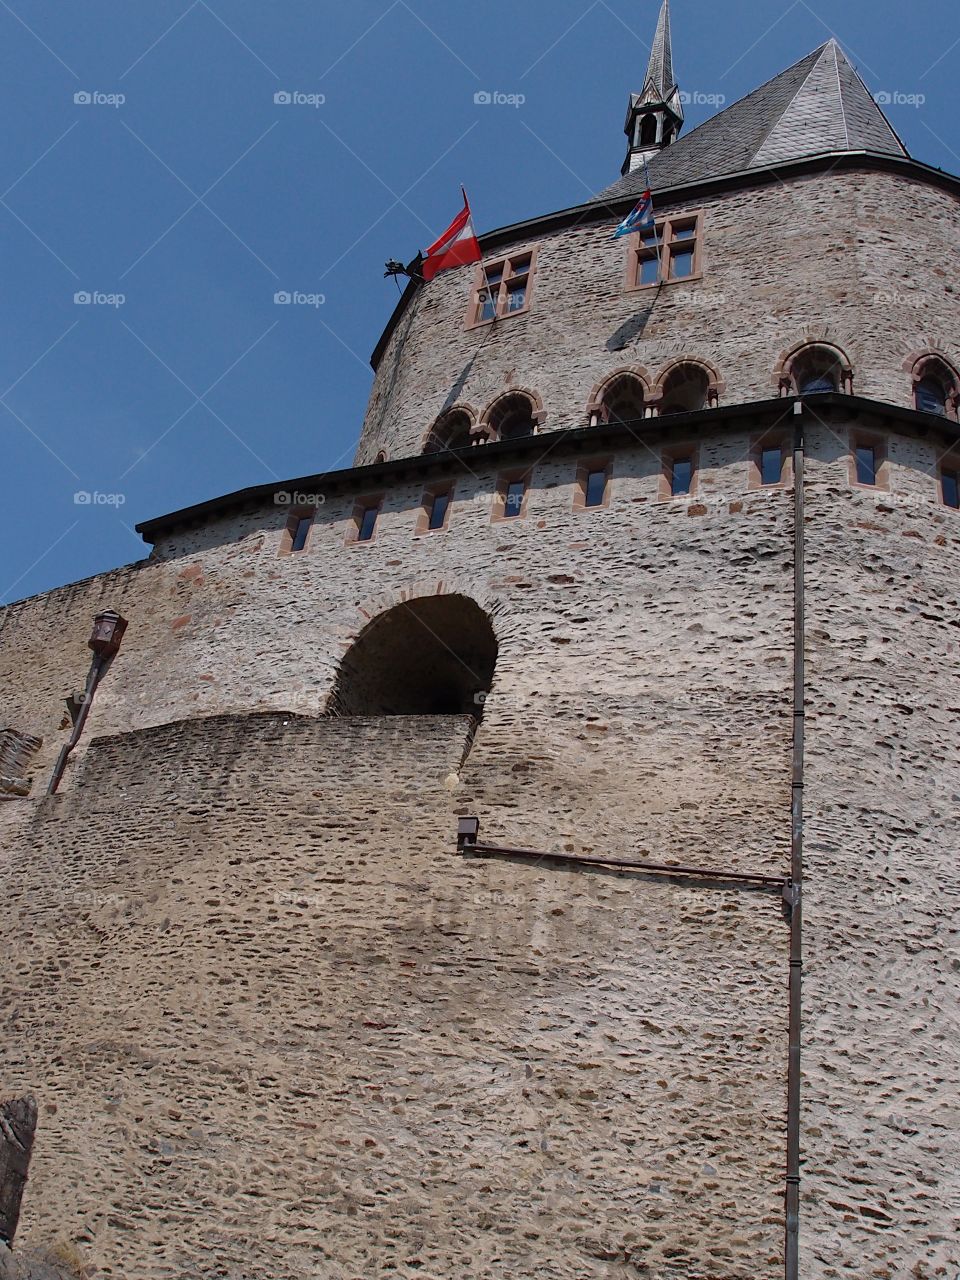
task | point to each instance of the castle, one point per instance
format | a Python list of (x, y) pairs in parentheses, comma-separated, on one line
[(648, 561)]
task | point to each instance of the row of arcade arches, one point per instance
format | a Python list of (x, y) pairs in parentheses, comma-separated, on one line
[(686, 385)]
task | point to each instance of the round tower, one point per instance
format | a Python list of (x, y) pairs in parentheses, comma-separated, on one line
[(530, 850)]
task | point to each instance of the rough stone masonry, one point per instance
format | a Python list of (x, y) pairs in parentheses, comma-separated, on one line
[(279, 1028)]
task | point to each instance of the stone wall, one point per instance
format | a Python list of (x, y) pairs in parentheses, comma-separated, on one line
[(304, 1038), (281, 1029), (881, 1116), (777, 259)]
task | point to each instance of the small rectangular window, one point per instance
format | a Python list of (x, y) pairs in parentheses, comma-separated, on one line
[(866, 457), (300, 533), (438, 510), (771, 465), (513, 498), (595, 489), (681, 476), (367, 523), (950, 487), (296, 535), (649, 271), (681, 264)]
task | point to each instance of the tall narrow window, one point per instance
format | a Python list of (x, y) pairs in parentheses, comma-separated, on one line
[(648, 258), (950, 487), (368, 522), (435, 510), (681, 476), (593, 484), (770, 461), (866, 460), (648, 130), (513, 498), (771, 464), (683, 250), (300, 533), (297, 532), (669, 253), (364, 526), (595, 489), (438, 511)]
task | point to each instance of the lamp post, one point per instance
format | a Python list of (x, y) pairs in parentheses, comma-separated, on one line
[(108, 629)]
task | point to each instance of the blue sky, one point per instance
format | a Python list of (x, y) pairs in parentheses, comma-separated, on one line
[(198, 197)]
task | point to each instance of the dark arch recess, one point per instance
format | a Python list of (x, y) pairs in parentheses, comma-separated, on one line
[(431, 656)]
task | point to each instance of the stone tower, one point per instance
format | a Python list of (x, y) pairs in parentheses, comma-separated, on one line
[(648, 560)]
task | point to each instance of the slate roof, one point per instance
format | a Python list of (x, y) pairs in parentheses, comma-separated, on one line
[(818, 105)]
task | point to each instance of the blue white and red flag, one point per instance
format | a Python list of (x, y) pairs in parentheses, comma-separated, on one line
[(639, 219)]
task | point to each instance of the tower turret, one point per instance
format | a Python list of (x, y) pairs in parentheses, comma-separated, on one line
[(655, 115)]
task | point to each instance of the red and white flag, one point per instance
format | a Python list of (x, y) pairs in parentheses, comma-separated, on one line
[(457, 247)]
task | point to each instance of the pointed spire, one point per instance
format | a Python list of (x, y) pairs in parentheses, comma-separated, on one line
[(655, 115), (660, 71)]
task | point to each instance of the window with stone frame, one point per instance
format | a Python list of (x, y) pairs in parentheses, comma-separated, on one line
[(936, 387), (502, 288), (669, 254), (513, 491), (678, 472), (949, 480), (435, 509), (362, 528), (771, 461), (593, 484), (296, 534), (868, 465)]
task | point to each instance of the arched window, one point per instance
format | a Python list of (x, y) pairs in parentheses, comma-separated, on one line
[(512, 416), (426, 657), (621, 398), (668, 135), (931, 396), (381, 457), (452, 430), (936, 387), (815, 368), (648, 131), (686, 389)]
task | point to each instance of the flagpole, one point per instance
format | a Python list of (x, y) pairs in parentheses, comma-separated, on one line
[(483, 268), (656, 233)]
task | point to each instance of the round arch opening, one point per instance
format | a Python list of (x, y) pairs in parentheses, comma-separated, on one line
[(426, 657)]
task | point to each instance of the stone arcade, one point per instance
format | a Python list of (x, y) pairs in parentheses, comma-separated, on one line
[(277, 1026)]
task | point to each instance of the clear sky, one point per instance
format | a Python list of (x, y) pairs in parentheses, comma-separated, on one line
[(198, 197)]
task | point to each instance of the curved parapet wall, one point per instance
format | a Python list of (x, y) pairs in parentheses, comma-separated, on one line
[(774, 259), (242, 923)]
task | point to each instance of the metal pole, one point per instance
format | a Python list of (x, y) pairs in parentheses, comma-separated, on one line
[(792, 1190), (660, 868), (93, 679)]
